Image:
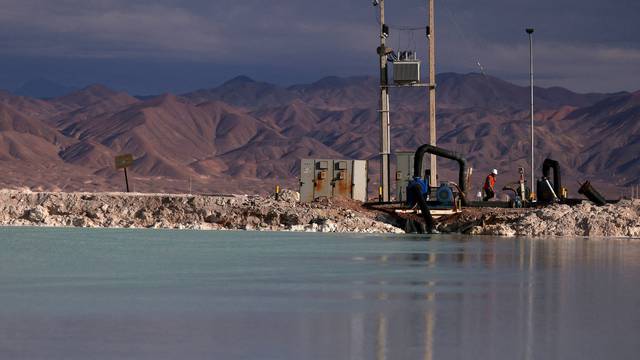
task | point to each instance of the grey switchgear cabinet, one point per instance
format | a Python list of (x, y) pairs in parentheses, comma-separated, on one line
[(326, 178), (404, 173)]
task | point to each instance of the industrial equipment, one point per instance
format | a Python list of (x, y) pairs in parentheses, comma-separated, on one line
[(517, 201), (523, 191), (404, 173), (406, 69), (547, 192), (519, 189), (327, 178), (447, 194), (592, 194), (444, 196)]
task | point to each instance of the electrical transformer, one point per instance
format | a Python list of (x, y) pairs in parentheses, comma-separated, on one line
[(406, 72), (406, 69)]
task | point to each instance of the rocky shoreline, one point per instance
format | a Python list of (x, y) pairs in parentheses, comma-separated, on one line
[(198, 212), (258, 213), (584, 220)]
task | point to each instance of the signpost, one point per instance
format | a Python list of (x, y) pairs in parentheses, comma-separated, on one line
[(123, 162)]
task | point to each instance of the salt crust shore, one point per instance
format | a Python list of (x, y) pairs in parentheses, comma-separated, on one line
[(166, 211), (242, 212), (584, 220)]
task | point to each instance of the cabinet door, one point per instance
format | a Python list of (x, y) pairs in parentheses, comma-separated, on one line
[(307, 173), (360, 180)]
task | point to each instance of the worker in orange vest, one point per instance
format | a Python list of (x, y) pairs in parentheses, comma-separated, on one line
[(489, 185)]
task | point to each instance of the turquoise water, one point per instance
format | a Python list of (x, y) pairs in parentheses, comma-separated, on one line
[(124, 294)]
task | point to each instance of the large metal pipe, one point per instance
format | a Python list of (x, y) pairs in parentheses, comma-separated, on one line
[(547, 165), (592, 194), (434, 150)]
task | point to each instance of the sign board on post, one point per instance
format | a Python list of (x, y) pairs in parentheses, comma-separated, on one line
[(123, 162)]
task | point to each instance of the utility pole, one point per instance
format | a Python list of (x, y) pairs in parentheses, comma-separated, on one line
[(433, 181), (385, 124), (533, 185)]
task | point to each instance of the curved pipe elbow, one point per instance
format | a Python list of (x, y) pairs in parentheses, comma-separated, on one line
[(430, 149)]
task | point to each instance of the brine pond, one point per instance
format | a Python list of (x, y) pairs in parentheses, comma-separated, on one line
[(151, 294)]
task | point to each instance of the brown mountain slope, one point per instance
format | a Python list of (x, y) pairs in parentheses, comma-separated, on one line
[(233, 128), (164, 134), (24, 147), (87, 105), (293, 119), (250, 146), (12, 120), (613, 126)]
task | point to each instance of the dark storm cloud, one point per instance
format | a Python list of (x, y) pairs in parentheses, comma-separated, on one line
[(583, 44)]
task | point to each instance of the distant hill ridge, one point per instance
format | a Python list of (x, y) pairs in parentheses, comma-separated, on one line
[(454, 90), (43, 88), (245, 136)]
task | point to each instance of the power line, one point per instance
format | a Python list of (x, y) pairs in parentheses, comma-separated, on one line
[(400, 27)]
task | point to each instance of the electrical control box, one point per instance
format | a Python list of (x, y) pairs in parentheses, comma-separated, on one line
[(404, 173), (326, 178)]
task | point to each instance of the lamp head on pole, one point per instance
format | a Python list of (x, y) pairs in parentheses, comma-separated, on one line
[(529, 31)]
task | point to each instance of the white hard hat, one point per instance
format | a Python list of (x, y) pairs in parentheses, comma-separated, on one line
[(494, 171)]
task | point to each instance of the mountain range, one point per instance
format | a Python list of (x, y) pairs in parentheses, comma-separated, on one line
[(246, 136)]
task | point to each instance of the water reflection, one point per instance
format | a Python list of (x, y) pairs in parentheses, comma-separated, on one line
[(315, 297), (519, 299)]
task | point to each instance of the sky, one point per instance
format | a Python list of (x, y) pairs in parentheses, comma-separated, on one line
[(155, 46)]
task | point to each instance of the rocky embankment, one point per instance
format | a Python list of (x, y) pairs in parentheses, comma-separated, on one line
[(243, 212), (237, 212), (613, 220)]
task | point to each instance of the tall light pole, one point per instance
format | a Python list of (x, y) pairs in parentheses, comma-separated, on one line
[(530, 32)]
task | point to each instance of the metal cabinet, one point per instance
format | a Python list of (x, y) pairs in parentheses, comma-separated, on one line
[(404, 173), (360, 180), (342, 178), (326, 178), (307, 176), (323, 179)]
